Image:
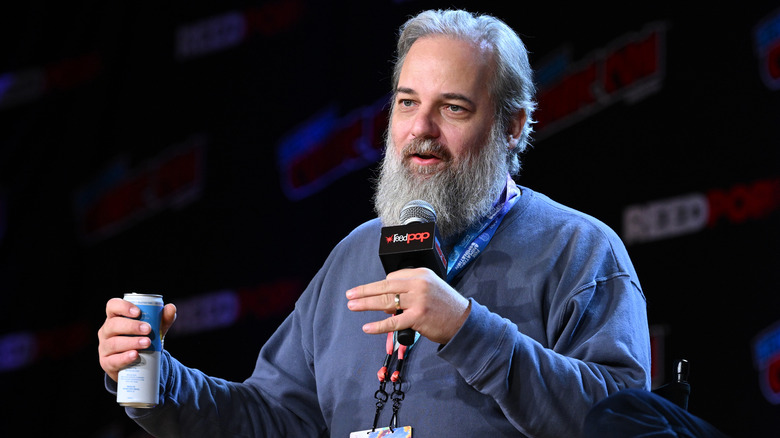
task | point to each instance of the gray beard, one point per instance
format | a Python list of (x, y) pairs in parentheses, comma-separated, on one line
[(462, 193)]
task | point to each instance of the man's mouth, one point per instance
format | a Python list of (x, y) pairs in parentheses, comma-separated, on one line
[(426, 153), (425, 158)]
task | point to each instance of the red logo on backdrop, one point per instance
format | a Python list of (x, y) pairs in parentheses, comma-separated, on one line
[(27, 85), (628, 69), (693, 212), (766, 36), (329, 146), (121, 195), (217, 33), (766, 356)]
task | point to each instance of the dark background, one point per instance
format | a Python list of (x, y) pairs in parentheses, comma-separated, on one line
[(128, 163)]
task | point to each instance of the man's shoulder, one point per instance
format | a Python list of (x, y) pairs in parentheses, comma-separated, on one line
[(554, 228), (541, 220), (369, 227)]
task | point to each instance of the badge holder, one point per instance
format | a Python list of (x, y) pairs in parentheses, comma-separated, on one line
[(382, 397)]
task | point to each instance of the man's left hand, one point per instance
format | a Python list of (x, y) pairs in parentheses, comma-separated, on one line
[(430, 306)]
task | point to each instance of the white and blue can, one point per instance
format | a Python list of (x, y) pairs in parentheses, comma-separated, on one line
[(139, 383)]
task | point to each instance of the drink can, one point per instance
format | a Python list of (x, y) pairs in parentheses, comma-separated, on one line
[(139, 383)]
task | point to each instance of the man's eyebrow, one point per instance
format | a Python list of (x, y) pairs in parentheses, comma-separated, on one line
[(458, 96), (404, 90), (448, 96)]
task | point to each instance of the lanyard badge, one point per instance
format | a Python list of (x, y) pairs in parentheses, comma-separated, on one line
[(392, 348)]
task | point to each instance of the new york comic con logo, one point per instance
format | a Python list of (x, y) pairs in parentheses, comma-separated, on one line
[(408, 237), (766, 356), (766, 35)]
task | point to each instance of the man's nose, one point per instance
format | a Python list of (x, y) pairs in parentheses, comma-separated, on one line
[(425, 124)]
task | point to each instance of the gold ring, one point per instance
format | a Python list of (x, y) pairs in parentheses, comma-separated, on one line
[(397, 302)]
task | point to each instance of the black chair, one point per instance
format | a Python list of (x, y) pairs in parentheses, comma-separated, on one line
[(679, 390)]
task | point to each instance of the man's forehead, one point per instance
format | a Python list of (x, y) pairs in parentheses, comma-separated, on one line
[(480, 50), (451, 68)]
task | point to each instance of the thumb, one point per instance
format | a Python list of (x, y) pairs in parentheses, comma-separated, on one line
[(168, 318)]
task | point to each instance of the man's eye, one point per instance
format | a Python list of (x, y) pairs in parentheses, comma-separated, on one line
[(406, 102), (455, 108)]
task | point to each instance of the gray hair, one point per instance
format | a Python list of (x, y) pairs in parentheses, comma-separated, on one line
[(512, 88)]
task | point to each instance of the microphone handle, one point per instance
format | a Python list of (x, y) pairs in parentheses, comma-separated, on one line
[(407, 335)]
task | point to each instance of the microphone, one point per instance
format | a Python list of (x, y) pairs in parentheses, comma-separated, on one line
[(413, 244)]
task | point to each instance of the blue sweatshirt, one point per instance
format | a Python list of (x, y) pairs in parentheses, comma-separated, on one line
[(558, 322)]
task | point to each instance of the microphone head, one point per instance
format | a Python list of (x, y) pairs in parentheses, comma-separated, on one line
[(417, 211)]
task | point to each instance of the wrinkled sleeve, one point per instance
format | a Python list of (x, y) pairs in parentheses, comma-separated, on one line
[(193, 404), (597, 343)]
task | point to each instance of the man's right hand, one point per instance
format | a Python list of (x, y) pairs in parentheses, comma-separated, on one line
[(122, 334)]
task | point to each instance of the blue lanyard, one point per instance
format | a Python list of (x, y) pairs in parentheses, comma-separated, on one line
[(478, 236)]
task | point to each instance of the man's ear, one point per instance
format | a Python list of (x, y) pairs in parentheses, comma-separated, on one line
[(516, 125)]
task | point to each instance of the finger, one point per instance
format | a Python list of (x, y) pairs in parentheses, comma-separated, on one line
[(116, 351), (120, 307), (109, 346), (371, 296), (168, 318), (119, 334), (123, 326), (385, 302), (386, 289), (387, 325), (371, 289), (114, 363)]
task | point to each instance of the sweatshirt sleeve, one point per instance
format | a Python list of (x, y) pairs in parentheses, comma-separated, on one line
[(281, 397), (193, 404), (597, 344)]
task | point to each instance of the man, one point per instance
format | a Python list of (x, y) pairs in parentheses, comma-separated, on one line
[(637, 413), (540, 317)]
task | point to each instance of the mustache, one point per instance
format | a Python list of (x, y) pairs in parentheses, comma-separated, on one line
[(426, 147)]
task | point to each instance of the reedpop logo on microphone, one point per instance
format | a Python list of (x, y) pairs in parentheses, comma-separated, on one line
[(408, 238)]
